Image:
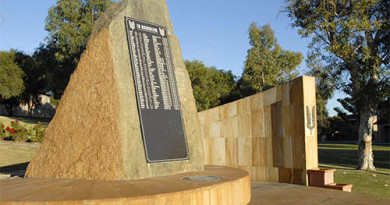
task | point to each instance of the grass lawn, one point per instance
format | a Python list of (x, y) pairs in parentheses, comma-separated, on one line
[(28, 121), (343, 157), (16, 153)]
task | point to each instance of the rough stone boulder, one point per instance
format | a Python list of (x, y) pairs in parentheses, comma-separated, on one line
[(96, 133)]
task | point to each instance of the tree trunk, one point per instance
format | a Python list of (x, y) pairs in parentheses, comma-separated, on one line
[(30, 107), (9, 107), (365, 154)]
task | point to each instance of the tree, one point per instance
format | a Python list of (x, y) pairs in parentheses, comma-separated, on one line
[(353, 37), (69, 24), (211, 87), (10, 76), (34, 80), (267, 64), (10, 80)]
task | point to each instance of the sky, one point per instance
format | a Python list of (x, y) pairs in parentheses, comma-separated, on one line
[(212, 31)]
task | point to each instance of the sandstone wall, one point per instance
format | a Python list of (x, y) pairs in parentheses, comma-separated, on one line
[(270, 134)]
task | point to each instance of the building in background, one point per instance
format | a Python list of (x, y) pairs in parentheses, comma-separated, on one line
[(44, 109)]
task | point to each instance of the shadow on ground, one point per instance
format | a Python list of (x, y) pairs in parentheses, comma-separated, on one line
[(15, 170), (349, 158)]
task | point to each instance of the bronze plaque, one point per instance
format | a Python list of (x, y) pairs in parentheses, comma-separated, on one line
[(157, 96)]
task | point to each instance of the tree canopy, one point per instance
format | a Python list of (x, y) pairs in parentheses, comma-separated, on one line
[(353, 38), (10, 76), (211, 87), (35, 80), (69, 24), (267, 64)]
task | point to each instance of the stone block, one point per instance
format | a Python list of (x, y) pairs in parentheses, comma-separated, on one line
[(205, 129), (259, 173), (274, 174), (296, 92), (243, 106), (287, 121), (229, 127), (244, 125), (279, 93), (311, 151), (268, 152), (256, 101), (285, 92), (231, 146), (218, 152), (244, 151), (298, 152), (297, 123), (214, 114), (258, 152), (215, 129), (287, 150), (277, 134), (229, 110), (269, 96), (207, 150), (267, 121), (299, 176), (285, 175), (309, 90), (257, 118), (203, 117)]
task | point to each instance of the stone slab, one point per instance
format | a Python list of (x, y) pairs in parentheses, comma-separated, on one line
[(232, 188)]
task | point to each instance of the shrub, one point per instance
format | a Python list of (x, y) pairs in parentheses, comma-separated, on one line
[(40, 131), (2, 131), (18, 133)]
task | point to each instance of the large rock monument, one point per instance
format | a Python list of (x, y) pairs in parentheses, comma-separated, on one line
[(128, 111)]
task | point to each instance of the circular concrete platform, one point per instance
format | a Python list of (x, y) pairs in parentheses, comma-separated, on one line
[(233, 187)]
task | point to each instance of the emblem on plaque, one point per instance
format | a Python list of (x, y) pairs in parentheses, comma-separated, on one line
[(162, 32), (132, 25)]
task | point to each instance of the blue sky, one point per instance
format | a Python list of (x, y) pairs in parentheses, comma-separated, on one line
[(215, 32)]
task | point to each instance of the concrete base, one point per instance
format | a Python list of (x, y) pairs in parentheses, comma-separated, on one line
[(232, 188)]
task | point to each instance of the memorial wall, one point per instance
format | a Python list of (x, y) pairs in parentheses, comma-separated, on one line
[(272, 134)]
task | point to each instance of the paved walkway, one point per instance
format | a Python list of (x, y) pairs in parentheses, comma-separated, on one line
[(288, 194)]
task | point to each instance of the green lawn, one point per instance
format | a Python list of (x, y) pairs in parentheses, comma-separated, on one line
[(16, 153), (28, 121), (343, 157)]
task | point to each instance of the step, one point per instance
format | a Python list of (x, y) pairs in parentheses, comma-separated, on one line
[(339, 186)]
